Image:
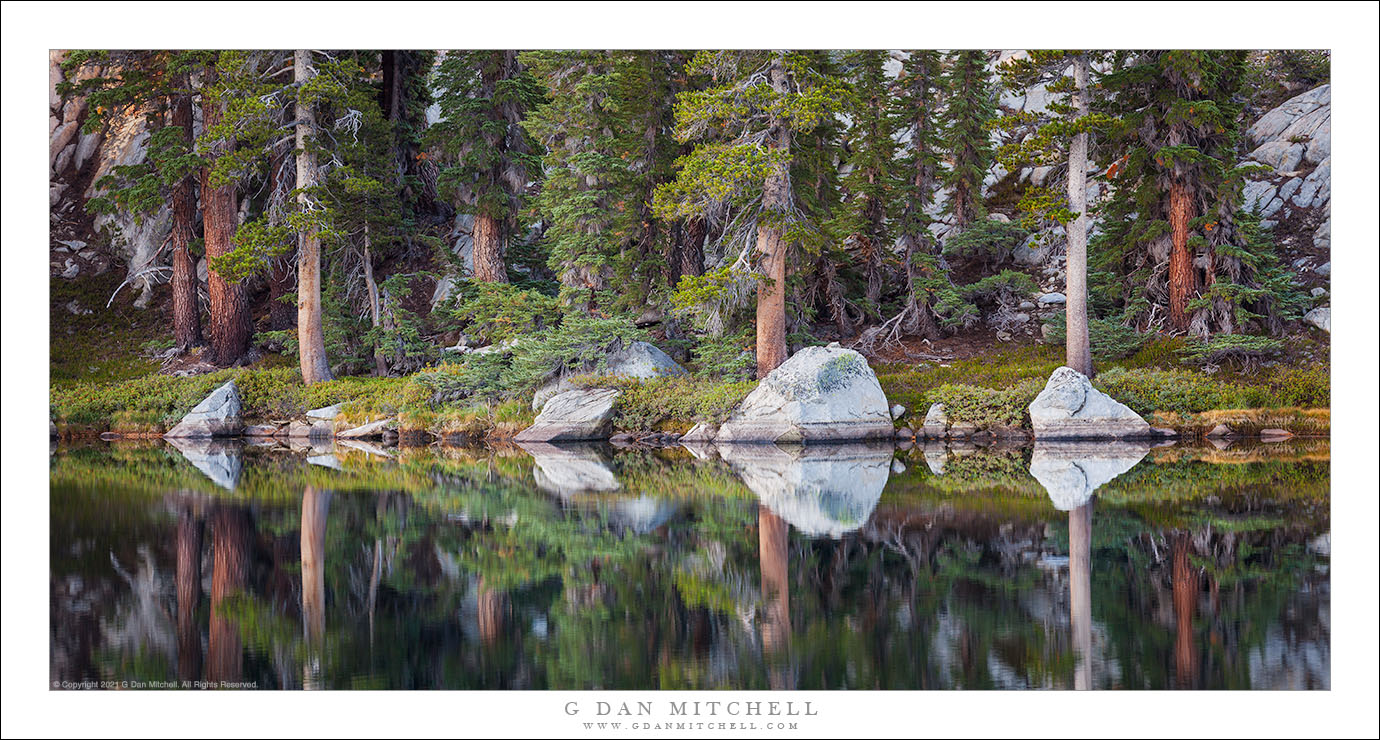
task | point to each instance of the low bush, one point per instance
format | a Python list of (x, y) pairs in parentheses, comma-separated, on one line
[(1182, 391), (670, 404), (990, 242), (496, 312), (1243, 350), (988, 408), (729, 357), (1109, 340), (913, 386)]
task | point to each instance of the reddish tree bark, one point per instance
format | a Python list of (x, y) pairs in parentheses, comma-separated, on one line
[(186, 314), (488, 250), (493, 613), (316, 506), (1181, 277), (231, 323), (771, 250)]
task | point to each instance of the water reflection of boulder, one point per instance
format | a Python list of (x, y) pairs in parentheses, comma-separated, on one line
[(217, 460), (1071, 471), (570, 469), (642, 514), (819, 489)]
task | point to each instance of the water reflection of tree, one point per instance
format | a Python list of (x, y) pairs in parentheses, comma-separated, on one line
[(457, 572)]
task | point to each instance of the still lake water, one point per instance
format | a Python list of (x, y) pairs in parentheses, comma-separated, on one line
[(587, 567)]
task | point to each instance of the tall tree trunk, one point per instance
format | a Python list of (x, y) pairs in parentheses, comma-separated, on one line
[(921, 318), (372, 286), (1080, 593), (186, 314), (1181, 279), (232, 538), (1077, 345), (189, 536), (771, 249), (311, 336), (488, 250), (316, 506), (231, 323)]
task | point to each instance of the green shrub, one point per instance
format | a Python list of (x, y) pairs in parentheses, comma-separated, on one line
[(1146, 390), (729, 357), (913, 386), (1303, 387), (990, 242), (496, 312), (671, 403), (988, 407), (1109, 339), (1244, 350), (1005, 286)]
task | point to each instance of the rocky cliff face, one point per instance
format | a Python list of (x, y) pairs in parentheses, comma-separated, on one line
[(1295, 197), (80, 243)]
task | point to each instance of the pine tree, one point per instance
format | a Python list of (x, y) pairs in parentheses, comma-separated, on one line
[(1057, 137), (231, 324), (311, 337), (603, 128), (1172, 226), (930, 301), (489, 158), (159, 83), (868, 187), (970, 110), (335, 203), (745, 127)]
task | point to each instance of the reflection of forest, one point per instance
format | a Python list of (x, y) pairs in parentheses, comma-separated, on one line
[(454, 569)]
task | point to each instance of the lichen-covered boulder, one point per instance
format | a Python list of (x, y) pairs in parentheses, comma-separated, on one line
[(573, 415), (823, 491), (821, 394), (1072, 471), (1071, 408), (218, 415)]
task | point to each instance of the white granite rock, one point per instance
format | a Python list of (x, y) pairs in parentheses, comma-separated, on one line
[(569, 470), (639, 360), (218, 415), (573, 415), (820, 394), (1069, 407), (1320, 317)]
